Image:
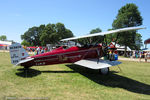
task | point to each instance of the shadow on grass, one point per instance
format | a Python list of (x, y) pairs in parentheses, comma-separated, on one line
[(112, 80), (34, 72), (27, 73)]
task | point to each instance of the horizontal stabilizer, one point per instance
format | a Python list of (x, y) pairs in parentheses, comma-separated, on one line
[(93, 64), (23, 61)]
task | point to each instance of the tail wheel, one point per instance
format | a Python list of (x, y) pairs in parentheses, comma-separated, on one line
[(104, 71)]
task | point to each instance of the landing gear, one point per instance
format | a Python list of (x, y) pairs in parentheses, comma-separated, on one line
[(104, 71)]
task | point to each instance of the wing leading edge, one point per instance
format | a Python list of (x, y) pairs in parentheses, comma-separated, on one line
[(93, 64), (105, 33)]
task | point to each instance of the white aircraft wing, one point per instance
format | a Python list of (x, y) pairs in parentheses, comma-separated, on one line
[(93, 64), (105, 33)]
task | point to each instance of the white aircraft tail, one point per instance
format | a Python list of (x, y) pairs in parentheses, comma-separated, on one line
[(17, 53)]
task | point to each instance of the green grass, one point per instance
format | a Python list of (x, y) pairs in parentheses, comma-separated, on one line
[(123, 57), (68, 81)]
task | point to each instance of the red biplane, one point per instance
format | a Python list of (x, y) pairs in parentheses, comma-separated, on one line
[(87, 56)]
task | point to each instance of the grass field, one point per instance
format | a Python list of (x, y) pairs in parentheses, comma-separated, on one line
[(68, 81)]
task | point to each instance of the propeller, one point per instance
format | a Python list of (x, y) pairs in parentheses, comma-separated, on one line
[(104, 51), (98, 56)]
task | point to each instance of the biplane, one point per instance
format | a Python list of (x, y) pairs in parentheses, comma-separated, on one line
[(89, 56)]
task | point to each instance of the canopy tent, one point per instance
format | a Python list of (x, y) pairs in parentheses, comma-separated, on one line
[(147, 49), (5, 42), (121, 48), (147, 41), (4, 45), (34, 47)]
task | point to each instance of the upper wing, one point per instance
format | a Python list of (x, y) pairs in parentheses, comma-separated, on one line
[(105, 33), (93, 64)]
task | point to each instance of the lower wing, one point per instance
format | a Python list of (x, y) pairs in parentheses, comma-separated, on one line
[(93, 64)]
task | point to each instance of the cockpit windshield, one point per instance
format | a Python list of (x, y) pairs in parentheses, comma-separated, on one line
[(70, 44)]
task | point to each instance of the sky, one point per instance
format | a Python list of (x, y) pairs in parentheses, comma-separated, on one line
[(80, 16)]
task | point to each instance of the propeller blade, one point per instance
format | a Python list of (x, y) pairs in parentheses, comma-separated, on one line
[(98, 56)]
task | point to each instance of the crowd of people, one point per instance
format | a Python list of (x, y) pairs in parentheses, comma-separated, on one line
[(141, 54), (37, 50), (133, 54)]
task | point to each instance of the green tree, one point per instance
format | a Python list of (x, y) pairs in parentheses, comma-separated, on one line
[(128, 16), (53, 33), (138, 41), (46, 36), (109, 37), (91, 40), (3, 38), (25, 43), (33, 35), (97, 38)]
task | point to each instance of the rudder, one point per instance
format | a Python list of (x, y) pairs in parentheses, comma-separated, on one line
[(17, 53)]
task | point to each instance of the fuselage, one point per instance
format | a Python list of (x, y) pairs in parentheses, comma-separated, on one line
[(62, 55)]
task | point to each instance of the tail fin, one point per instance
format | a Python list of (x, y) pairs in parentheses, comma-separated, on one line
[(17, 53)]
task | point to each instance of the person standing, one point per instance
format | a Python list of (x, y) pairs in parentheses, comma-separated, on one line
[(145, 56), (38, 50), (42, 51), (140, 56)]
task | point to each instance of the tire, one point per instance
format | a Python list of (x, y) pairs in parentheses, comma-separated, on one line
[(104, 71)]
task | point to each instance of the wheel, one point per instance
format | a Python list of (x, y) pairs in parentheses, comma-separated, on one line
[(104, 71)]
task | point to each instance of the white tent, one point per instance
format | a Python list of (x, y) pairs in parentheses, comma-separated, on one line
[(4, 45), (121, 48), (6, 42), (148, 49)]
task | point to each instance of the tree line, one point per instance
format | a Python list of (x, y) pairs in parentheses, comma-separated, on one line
[(128, 16), (45, 34), (3, 38)]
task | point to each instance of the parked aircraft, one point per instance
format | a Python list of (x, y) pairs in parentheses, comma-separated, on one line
[(89, 56)]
